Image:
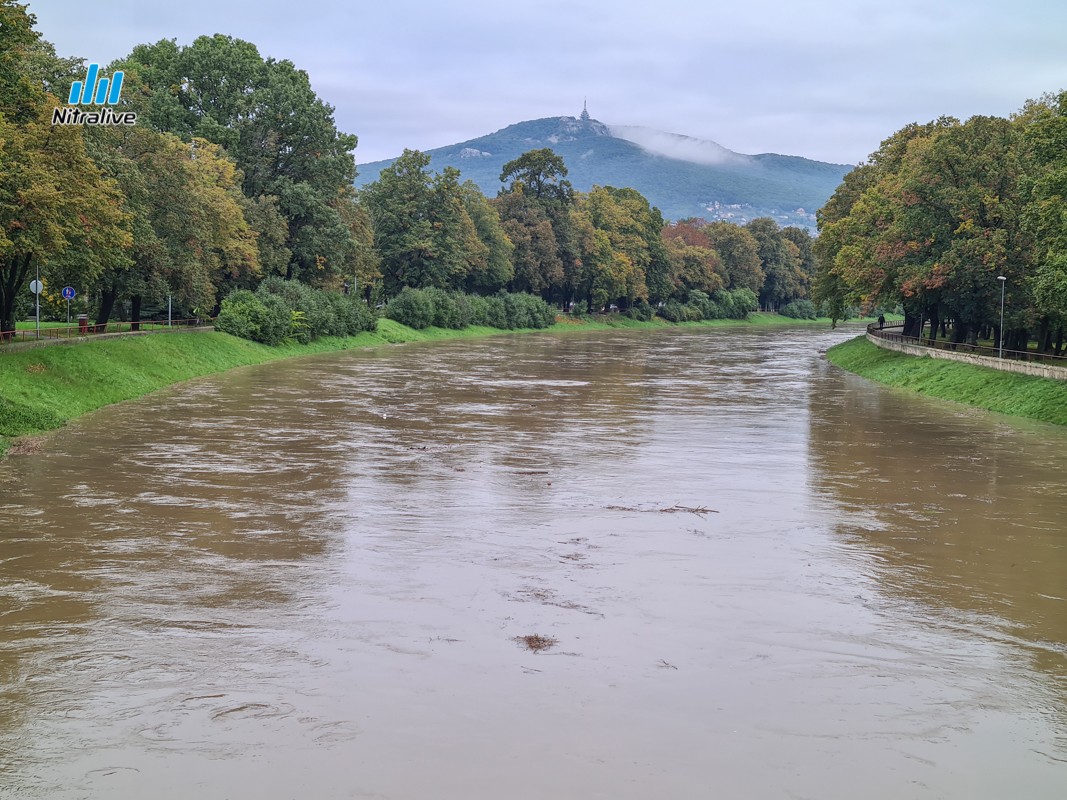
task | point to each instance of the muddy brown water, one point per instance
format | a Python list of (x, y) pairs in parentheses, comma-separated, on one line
[(318, 579)]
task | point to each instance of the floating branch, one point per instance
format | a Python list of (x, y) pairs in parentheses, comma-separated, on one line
[(700, 511)]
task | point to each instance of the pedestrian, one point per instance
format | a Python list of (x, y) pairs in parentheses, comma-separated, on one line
[(881, 321)]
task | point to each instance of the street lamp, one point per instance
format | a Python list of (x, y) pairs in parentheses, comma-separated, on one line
[(1003, 280)]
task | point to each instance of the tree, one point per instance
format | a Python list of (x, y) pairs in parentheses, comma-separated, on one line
[(399, 207), (541, 175), (54, 202), (266, 116), (191, 237), (1044, 141), (779, 260), (694, 263), (491, 268), (364, 264), (421, 226), (538, 268), (622, 252), (739, 253)]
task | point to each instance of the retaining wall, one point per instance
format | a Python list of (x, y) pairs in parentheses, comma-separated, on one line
[(1005, 365)]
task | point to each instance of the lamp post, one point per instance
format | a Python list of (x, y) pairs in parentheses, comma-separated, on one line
[(1003, 280)]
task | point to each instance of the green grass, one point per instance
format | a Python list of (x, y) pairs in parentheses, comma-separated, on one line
[(31, 326), (1003, 392), (43, 388)]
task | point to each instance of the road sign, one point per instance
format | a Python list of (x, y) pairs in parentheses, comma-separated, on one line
[(69, 293), (36, 287)]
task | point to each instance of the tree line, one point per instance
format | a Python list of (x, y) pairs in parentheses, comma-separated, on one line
[(236, 173), (941, 212)]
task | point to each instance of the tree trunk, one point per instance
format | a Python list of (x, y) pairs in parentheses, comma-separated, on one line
[(1059, 340), (959, 332), (911, 323), (935, 321), (135, 314), (107, 303), (12, 275)]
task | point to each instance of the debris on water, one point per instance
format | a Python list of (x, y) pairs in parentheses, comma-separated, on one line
[(535, 642), (700, 511), (27, 446)]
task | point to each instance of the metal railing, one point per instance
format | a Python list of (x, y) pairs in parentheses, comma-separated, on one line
[(84, 330), (962, 347)]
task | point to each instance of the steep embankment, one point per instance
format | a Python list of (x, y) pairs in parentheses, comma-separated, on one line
[(1003, 392)]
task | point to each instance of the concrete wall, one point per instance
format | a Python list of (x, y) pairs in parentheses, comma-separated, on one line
[(1006, 365)]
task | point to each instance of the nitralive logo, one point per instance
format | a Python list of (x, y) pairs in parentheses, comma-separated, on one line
[(94, 91)]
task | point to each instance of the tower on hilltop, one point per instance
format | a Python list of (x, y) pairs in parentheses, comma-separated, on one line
[(585, 110)]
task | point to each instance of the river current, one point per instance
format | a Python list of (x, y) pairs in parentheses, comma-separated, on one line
[(681, 564)]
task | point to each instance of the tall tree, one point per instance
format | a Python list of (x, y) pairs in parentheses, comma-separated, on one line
[(694, 262), (54, 202), (739, 252), (190, 232), (421, 226), (271, 123), (541, 174), (491, 267)]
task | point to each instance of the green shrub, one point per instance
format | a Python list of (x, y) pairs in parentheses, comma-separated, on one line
[(464, 304), (496, 312), (744, 301), (262, 318), (705, 306), (527, 311), (478, 307), (725, 305), (640, 310), (672, 311), (412, 307), (445, 312), (799, 309)]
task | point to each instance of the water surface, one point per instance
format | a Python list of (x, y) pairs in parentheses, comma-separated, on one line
[(312, 579)]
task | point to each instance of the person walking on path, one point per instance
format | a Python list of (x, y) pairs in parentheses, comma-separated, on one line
[(881, 321)]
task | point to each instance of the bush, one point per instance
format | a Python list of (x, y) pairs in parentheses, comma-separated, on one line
[(262, 318), (280, 310), (744, 301), (350, 313), (703, 305), (478, 308), (496, 312), (672, 311), (464, 309), (799, 309), (726, 305), (640, 311), (445, 311), (412, 307), (527, 311)]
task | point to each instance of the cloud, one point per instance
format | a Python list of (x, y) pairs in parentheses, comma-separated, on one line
[(826, 80)]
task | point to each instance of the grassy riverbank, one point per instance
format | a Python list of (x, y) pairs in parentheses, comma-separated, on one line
[(1003, 392), (43, 388)]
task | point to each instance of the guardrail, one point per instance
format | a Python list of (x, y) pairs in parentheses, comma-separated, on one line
[(83, 330), (1030, 356)]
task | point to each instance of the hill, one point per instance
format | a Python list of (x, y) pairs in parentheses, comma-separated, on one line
[(682, 176)]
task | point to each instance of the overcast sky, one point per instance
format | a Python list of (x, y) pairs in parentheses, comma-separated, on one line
[(827, 80)]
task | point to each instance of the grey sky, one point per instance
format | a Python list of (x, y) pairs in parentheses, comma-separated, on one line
[(826, 80)]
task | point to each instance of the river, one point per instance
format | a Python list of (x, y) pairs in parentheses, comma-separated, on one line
[(749, 574)]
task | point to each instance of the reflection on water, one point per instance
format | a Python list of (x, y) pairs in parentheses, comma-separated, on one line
[(308, 580)]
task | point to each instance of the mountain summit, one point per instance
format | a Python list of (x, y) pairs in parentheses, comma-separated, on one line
[(681, 175)]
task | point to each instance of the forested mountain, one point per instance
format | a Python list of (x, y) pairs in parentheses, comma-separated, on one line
[(682, 176)]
